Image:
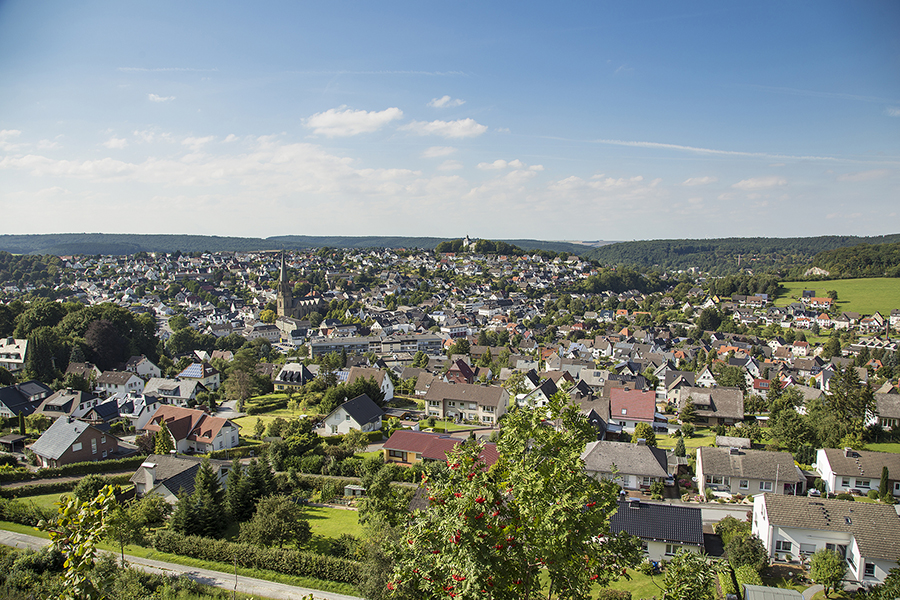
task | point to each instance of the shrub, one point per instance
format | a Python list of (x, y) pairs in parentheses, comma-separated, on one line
[(687, 430), (725, 582), (873, 494), (287, 561), (610, 594), (845, 496), (747, 575), (746, 551), (241, 451)]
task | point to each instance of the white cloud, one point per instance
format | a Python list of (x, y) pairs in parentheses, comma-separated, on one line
[(695, 200), (450, 165), (864, 175), (155, 98), (342, 121), (230, 138), (758, 183), (445, 101), (115, 142), (699, 181), (893, 111), (502, 130), (461, 128), (195, 143), (47, 145), (5, 136), (438, 151)]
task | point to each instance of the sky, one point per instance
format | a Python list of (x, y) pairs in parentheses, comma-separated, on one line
[(502, 120)]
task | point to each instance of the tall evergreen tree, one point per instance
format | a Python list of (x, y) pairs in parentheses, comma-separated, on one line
[(162, 441), (236, 493), (883, 484)]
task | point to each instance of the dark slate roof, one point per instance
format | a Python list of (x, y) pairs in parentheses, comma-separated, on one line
[(659, 522), (362, 409), (24, 397), (876, 527), (59, 437), (175, 472), (750, 464)]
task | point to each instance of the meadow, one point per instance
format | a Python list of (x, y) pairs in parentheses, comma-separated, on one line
[(864, 296)]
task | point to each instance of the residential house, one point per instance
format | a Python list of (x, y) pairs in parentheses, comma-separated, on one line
[(380, 376), (887, 411), (714, 406), (460, 372), (87, 371), (68, 403), (864, 534), (172, 391), (292, 376), (119, 382), (627, 408), (203, 373), (12, 354), (143, 367), (479, 403), (194, 430), (410, 447), (173, 474), (663, 529), (539, 396), (633, 466), (69, 440), (847, 469), (22, 398), (706, 378), (359, 413), (746, 472)]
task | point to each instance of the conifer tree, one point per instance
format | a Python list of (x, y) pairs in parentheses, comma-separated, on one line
[(162, 441)]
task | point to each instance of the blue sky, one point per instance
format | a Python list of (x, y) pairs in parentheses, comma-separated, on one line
[(577, 121)]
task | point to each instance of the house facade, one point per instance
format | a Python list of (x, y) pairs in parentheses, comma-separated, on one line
[(846, 469), (359, 413), (69, 440), (633, 466), (462, 401), (194, 430), (748, 472)]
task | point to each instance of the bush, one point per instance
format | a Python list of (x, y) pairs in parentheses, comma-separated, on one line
[(56, 487), (747, 575), (8, 460), (845, 496), (289, 562), (80, 468), (725, 582), (873, 494), (687, 430), (748, 551), (610, 594), (17, 511), (256, 450)]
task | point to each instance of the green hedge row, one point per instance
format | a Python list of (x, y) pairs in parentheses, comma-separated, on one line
[(258, 409), (24, 513), (81, 468), (610, 594), (240, 452), (280, 560), (56, 487), (372, 436)]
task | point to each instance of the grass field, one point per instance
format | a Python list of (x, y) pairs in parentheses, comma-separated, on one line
[(884, 447), (864, 296), (702, 437)]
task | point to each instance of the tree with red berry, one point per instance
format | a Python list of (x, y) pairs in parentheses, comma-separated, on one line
[(492, 533)]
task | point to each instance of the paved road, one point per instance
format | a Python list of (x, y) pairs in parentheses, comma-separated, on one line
[(245, 585)]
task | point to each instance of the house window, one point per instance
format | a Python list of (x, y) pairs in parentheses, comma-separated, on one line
[(870, 570), (104, 454), (782, 546), (397, 454), (347, 418), (93, 445), (863, 483), (645, 481), (486, 418), (845, 482), (672, 549), (232, 439), (220, 444), (807, 548), (744, 484), (644, 548), (103, 440), (76, 447), (765, 486)]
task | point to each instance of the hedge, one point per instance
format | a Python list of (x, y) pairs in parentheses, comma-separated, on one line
[(610, 594), (280, 560), (80, 468), (259, 409), (747, 575), (373, 437), (725, 583), (241, 451), (24, 513), (56, 487)]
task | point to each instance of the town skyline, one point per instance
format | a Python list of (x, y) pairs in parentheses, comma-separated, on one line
[(563, 123)]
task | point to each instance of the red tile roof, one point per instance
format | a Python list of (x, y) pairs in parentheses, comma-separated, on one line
[(637, 404), (434, 446)]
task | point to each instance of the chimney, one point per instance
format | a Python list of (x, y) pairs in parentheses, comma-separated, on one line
[(150, 470), (641, 442), (848, 452), (734, 450)]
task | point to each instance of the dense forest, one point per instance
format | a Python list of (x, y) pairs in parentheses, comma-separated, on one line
[(864, 260), (727, 255), (62, 244)]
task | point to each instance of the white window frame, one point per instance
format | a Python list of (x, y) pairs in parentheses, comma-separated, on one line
[(869, 570), (744, 484), (672, 549), (845, 482), (783, 546), (76, 447), (864, 483), (765, 486)]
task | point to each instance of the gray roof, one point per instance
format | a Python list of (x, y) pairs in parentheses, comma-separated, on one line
[(361, 409), (175, 472), (627, 458), (59, 437), (863, 463), (760, 592), (749, 464), (722, 402), (724, 441), (464, 392), (887, 405), (876, 527)]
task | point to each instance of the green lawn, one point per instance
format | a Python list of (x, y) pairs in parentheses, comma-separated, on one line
[(864, 296), (884, 447), (640, 585), (451, 426), (702, 437), (332, 522)]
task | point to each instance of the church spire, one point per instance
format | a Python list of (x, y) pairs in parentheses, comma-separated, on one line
[(281, 273)]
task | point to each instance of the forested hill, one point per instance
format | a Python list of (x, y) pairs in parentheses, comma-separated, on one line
[(727, 255), (864, 260), (113, 243)]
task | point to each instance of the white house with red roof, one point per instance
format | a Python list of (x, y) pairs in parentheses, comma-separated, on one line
[(409, 447), (627, 408), (193, 430)]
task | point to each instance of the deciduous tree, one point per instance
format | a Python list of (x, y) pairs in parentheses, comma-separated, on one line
[(827, 568)]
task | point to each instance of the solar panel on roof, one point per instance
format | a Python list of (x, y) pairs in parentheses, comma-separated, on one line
[(194, 370)]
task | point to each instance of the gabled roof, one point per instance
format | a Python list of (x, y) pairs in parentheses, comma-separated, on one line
[(365, 373), (59, 437), (361, 409), (863, 463), (876, 527), (434, 446), (115, 377), (722, 402), (24, 397), (187, 423), (749, 464), (659, 522), (175, 472), (197, 371), (464, 392), (627, 458), (632, 405)]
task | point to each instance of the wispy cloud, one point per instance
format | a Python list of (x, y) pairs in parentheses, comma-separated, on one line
[(164, 69), (342, 121), (115, 142), (500, 164), (445, 101), (864, 175), (156, 98), (438, 151), (893, 111), (758, 183), (386, 72), (450, 165), (461, 128), (709, 151), (814, 93), (692, 181), (195, 143), (5, 136)]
